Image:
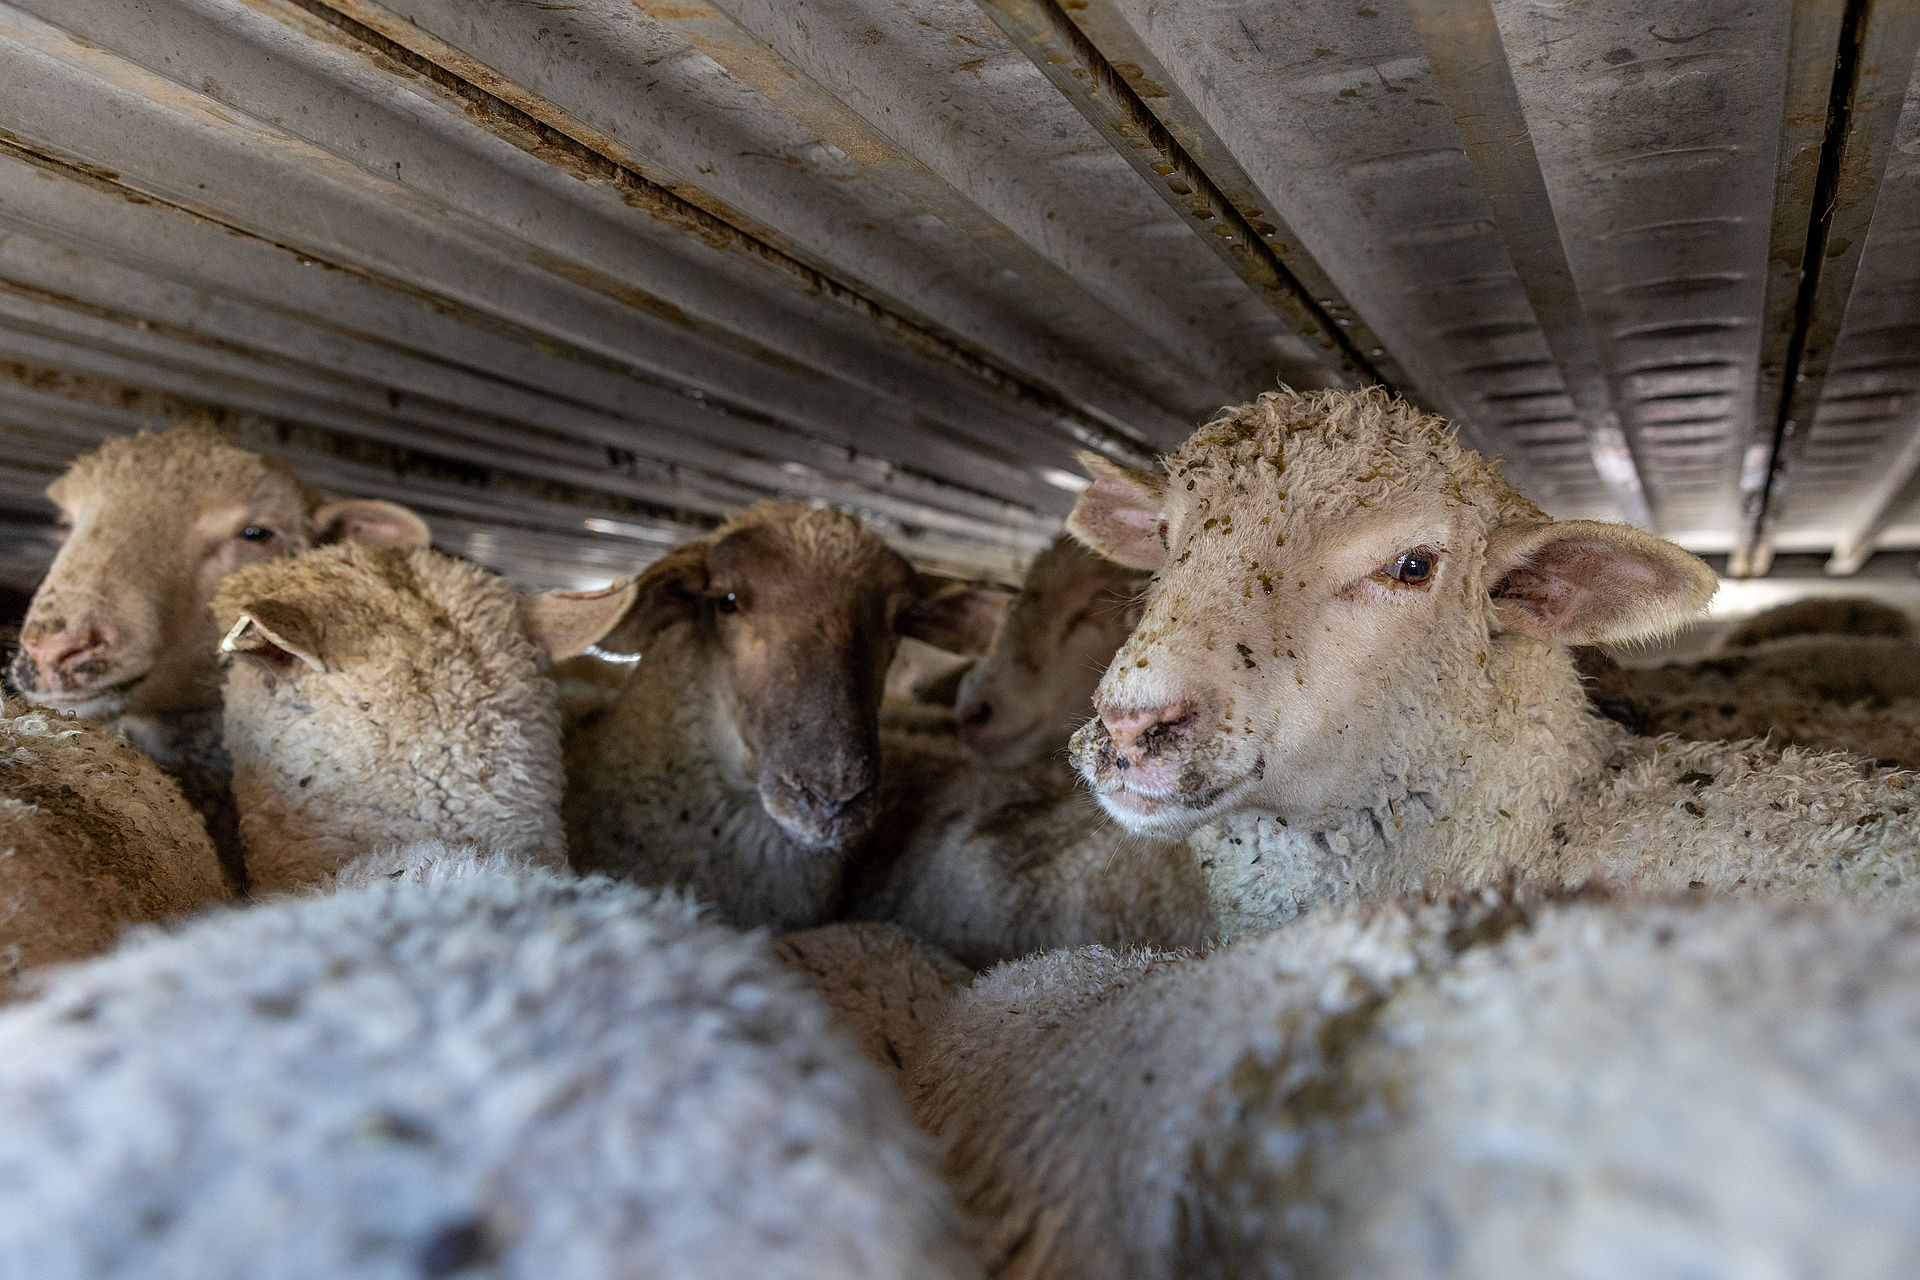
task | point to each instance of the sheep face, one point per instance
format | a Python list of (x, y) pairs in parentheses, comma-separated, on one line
[(377, 696), (797, 614), (154, 522), (1019, 702), (1339, 588)]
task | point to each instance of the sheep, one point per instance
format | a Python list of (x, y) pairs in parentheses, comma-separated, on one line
[(1845, 616), (1351, 680), (476, 1068), (989, 864), (741, 761), (119, 631), (1829, 692), (377, 696), (1477, 1088), (882, 986), (93, 837), (1020, 702)]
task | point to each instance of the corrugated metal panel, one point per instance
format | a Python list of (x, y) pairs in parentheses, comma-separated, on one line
[(578, 279)]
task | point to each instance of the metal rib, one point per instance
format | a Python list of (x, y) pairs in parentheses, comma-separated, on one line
[(1463, 45)]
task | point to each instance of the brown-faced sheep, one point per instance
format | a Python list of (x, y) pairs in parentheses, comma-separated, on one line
[(1483, 1090), (1352, 679), (741, 760), (93, 838), (1021, 702), (120, 632), (379, 696)]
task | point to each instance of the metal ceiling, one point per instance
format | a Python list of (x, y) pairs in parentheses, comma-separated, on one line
[(576, 279)]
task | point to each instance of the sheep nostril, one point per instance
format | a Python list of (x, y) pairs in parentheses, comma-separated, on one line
[(976, 714)]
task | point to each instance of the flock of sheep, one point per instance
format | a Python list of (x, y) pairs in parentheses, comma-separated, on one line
[(1369, 927)]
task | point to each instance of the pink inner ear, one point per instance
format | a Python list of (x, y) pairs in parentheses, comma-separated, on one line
[(1125, 526), (1572, 585)]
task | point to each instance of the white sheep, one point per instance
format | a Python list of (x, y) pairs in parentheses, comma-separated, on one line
[(1351, 679), (741, 761), (93, 837), (453, 1059), (379, 696), (884, 987), (119, 631), (1019, 703), (473, 1069), (1486, 1090)]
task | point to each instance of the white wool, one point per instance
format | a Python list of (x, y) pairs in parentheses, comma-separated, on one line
[(1711, 1090), (467, 1069)]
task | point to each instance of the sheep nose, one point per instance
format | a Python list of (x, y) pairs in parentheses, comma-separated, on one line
[(1138, 734), (824, 802), (63, 653)]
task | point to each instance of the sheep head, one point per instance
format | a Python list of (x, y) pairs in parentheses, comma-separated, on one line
[(154, 522), (1339, 586), (796, 614), (376, 696), (1020, 702)]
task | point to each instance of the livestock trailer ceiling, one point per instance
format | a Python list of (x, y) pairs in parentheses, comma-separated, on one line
[(576, 279)]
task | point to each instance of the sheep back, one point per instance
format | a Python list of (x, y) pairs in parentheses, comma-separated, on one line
[(462, 1067), (95, 838)]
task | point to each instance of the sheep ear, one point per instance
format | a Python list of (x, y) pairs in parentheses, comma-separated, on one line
[(277, 636), (1585, 582), (1118, 515), (667, 591), (564, 623), (958, 616), (370, 523)]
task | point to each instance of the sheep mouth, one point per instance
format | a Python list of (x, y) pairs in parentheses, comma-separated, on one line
[(1174, 810), (92, 702)]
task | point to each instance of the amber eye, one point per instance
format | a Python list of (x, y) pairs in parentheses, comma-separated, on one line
[(256, 533), (1414, 568), (728, 603)]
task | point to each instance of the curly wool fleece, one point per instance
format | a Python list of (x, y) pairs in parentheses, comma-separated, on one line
[(469, 1070)]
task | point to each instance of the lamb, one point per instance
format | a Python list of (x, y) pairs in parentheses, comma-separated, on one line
[(378, 696), (1489, 1088), (119, 631), (990, 864), (881, 985), (93, 838), (1845, 616), (1828, 692), (1020, 702), (741, 761), (473, 1069), (452, 1059), (1351, 680)]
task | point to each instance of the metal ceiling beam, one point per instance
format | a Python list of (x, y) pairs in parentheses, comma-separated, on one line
[(1838, 186), (318, 197), (1240, 235), (439, 349), (823, 76), (1463, 45), (543, 128)]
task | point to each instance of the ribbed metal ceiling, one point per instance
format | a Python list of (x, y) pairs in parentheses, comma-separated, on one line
[(577, 279)]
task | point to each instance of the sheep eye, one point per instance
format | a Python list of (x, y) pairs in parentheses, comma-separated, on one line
[(728, 603), (1414, 568), (256, 533)]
